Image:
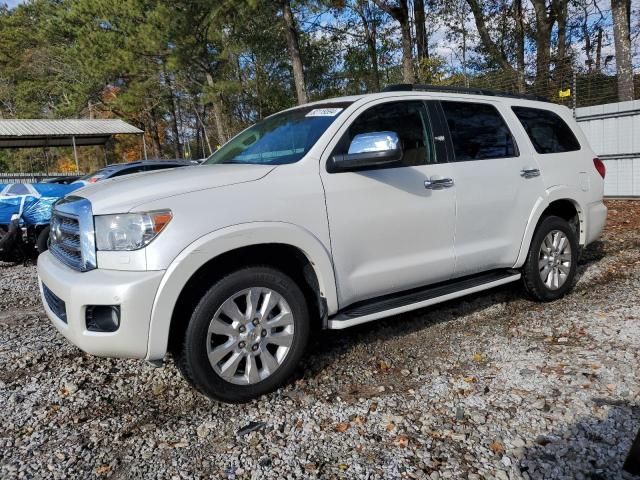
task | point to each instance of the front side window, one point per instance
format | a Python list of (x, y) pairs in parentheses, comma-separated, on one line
[(282, 138), (409, 120), (478, 131), (547, 131)]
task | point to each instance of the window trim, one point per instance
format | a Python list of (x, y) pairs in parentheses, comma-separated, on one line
[(451, 148), (546, 110), (353, 118)]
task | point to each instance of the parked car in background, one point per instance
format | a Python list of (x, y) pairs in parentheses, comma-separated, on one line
[(64, 180), (328, 215), (25, 211), (119, 169)]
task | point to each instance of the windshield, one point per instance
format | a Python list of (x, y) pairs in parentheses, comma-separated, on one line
[(282, 138)]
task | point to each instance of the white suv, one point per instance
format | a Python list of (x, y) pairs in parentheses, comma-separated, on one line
[(331, 214)]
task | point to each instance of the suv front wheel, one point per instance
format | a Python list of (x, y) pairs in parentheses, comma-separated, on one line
[(550, 268), (246, 336)]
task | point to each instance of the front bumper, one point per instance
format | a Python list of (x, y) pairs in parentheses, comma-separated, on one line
[(133, 291)]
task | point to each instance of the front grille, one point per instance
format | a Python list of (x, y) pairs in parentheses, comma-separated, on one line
[(65, 242), (55, 304)]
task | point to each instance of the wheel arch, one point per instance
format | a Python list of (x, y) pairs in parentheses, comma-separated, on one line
[(560, 202), (287, 247)]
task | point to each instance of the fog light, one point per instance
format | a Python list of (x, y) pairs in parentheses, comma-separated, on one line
[(102, 318)]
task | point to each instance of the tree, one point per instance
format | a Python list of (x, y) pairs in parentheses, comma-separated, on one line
[(620, 11), (400, 12), (294, 52)]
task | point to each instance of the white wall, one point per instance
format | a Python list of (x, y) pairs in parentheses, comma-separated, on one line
[(613, 131)]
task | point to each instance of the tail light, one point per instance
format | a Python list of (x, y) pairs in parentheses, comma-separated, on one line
[(95, 179), (602, 170)]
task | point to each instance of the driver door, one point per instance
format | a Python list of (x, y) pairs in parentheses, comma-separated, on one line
[(392, 225)]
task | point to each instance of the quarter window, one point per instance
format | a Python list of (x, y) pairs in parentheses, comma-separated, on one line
[(547, 131), (409, 120), (478, 131)]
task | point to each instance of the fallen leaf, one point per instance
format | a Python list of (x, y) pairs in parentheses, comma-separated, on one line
[(103, 469), (401, 441), (359, 420), (343, 466), (382, 366), (390, 426), (478, 357), (497, 447), (342, 427)]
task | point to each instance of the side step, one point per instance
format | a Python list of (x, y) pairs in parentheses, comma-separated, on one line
[(388, 305)]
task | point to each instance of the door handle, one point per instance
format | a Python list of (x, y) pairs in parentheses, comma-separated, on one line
[(529, 172), (438, 183)]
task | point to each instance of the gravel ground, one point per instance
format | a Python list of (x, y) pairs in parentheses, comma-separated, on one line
[(491, 386)]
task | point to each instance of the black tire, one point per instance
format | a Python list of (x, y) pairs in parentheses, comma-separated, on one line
[(531, 271), (192, 357), (42, 242)]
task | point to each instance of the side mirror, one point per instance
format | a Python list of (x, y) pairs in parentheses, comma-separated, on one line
[(369, 150)]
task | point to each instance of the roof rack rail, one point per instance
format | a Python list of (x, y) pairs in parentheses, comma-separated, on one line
[(417, 87)]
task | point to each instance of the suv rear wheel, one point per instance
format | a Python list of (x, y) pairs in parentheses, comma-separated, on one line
[(246, 336), (550, 269)]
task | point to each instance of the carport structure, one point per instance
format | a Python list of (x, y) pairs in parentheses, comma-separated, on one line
[(63, 133)]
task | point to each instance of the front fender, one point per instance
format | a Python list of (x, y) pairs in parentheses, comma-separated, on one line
[(224, 240), (558, 192)]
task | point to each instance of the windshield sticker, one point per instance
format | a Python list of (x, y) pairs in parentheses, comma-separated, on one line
[(324, 112)]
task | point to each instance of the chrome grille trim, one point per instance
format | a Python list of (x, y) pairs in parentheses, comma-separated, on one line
[(72, 233)]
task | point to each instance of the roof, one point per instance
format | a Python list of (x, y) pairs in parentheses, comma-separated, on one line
[(59, 133)]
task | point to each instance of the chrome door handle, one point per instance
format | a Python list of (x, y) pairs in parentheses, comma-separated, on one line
[(529, 172), (438, 183)]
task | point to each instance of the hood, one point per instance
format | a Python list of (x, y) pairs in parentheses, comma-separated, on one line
[(123, 194)]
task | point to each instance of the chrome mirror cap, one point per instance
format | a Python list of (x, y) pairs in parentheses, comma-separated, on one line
[(374, 142)]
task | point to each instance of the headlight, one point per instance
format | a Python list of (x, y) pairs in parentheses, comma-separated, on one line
[(129, 231)]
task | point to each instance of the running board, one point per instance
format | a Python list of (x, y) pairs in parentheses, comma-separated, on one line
[(389, 305)]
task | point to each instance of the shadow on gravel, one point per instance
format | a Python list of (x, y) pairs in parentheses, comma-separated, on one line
[(327, 345), (591, 448)]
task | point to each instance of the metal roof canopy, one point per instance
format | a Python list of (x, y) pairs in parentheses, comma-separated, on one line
[(63, 133)]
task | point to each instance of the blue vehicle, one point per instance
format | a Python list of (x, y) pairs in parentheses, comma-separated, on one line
[(25, 211)]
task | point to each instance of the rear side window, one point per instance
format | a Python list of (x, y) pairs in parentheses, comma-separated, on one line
[(547, 131), (478, 131)]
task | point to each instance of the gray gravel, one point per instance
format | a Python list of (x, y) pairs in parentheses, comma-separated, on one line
[(492, 386)]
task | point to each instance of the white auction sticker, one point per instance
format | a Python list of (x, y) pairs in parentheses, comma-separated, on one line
[(324, 112)]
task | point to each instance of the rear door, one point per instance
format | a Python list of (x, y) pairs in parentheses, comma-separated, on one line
[(389, 230), (497, 185)]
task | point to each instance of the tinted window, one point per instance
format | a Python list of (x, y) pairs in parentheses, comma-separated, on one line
[(409, 120), (478, 131), (547, 131)]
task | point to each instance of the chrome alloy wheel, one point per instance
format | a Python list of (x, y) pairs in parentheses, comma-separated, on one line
[(554, 261), (250, 336)]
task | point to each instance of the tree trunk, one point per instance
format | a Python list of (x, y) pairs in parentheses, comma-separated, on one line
[(155, 136), (599, 50), (495, 52), (177, 148), (294, 52), (544, 24), (519, 34), (370, 33), (619, 11), (218, 115), (401, 15), (421, 36)]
